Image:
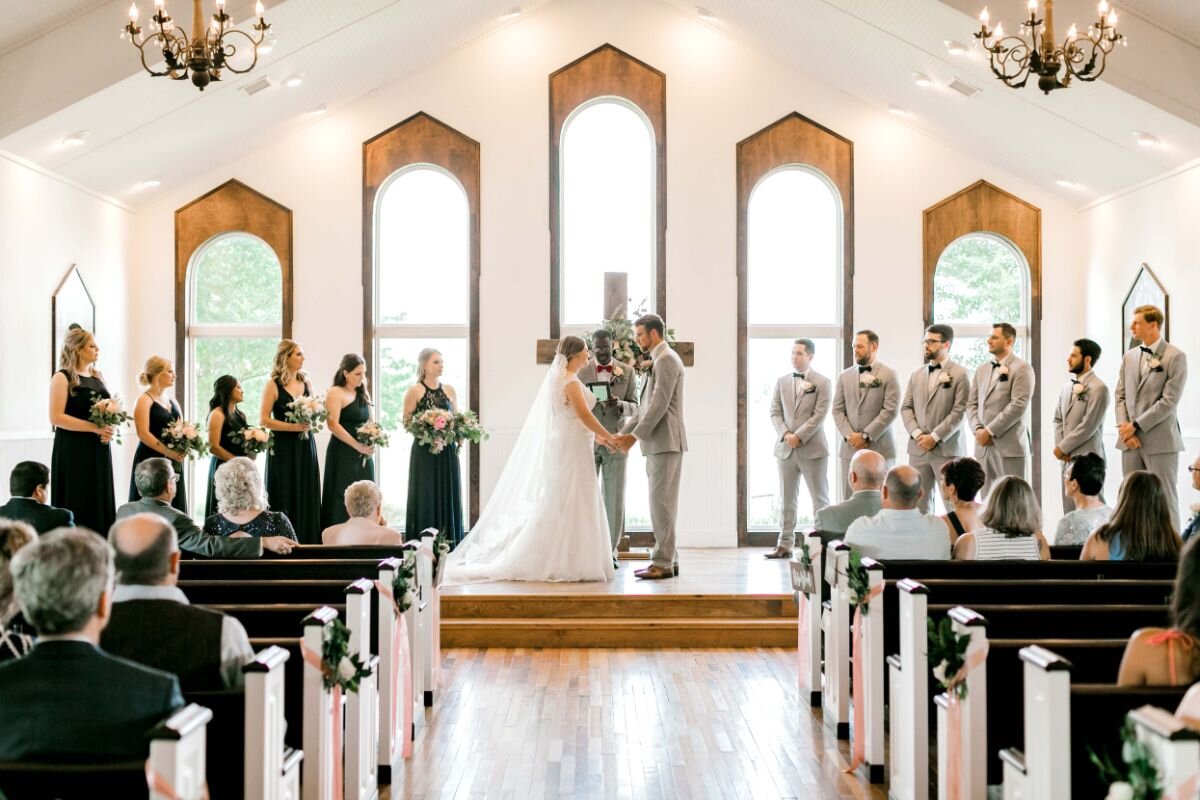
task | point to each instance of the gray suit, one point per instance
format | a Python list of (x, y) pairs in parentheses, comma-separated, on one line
[(858, 409), (1151, 401), (191, 538), (658, 426), (1079, 422), (834, 520), (999, 406), (935, 403), (804, 415), (610, 464)]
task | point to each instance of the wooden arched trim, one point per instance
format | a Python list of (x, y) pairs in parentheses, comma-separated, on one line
[(608, 72), (231, 207), (794, 139), (984, 208), (422, 139)]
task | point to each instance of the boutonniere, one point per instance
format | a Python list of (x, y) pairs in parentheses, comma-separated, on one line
[(944, 379), (806, 388), (1195, 509), (1079, 390), (869, 381), (617, 371), (1003, 372), (1155, 364)]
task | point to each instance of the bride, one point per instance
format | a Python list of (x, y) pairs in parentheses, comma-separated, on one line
[(545, 520)]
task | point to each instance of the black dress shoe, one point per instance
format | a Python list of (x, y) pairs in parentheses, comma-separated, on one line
[(675, 571)]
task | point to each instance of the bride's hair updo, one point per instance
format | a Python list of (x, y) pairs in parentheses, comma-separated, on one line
[(571, 346)]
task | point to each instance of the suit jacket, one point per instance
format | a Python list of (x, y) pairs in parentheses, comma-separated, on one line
[(191, 538), (42, 517), (940, 412), (623, 387), (835, 519), (1000, 406), (658, 423), (803, 415), (69, 700), (1079, 419), (870, 411), (1153, 401)]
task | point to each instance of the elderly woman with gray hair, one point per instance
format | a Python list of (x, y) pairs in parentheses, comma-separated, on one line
[(15, 638), (242, 504), (366, 526), (1012, 527)]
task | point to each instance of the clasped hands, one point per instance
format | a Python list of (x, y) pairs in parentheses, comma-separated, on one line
[(1128, 433), (619, 441)]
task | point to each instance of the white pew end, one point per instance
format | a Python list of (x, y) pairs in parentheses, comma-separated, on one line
[(836, 627), (909, 681), (362, 707), (319, 714), (971, 758), (394, 733), (271, 767), (1042, 771), (870, 694), (1175, 747), (806, 582), (176, 769), (430, 601)]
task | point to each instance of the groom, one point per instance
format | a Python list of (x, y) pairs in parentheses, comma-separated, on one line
[(658, 425)]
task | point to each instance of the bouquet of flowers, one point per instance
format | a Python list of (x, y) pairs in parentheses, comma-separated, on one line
[(308, 411), (108, 411), (184, 437), (254, 440), (467, 427), (373, 434), (433, 429)]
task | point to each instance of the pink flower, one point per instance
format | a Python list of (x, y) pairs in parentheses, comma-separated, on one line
[(439, 423)]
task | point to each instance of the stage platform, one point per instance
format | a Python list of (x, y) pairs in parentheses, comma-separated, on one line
[(728, 597)]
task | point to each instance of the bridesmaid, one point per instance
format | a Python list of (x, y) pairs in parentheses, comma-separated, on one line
[(349, 405), (153, 412), (224, 420), (434, 481), (81, 473), (293, 477)]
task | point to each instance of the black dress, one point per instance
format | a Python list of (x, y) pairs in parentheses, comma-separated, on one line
[(268, 523), (160, 418), (81, 473), (434, 482), (293, 477), (233, 422), (344, 465)]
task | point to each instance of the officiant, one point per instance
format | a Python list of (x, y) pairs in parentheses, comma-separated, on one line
[(614, 385)]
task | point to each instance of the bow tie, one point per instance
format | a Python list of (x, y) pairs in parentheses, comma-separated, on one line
[(932, 367), (604, 368), (1146, 350), (799, 375), (995, 364), (1074, 381), (861, 370)]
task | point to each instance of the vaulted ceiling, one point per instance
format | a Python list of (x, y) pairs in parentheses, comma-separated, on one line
[(1077, 143)]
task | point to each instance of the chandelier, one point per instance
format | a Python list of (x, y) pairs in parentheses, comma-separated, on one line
[(1033, 50), (204, 55)]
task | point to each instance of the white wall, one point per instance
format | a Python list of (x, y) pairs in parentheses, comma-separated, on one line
[(46, 225), (718, 92)]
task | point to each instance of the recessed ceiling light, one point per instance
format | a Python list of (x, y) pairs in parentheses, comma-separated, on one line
[(318, 111), (150, 184), (898, 111), (1067, 184), (292, 81), (1146, 139), (954, 48), (512, 13), (705, 14), (75, 139), (921, 79)]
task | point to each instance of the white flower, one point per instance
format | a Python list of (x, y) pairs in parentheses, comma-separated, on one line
[(1003, 369), (1078, 389), (939, 672), (804, 386), (944, 379), (409, 598), (865, 378), (1194, 508), (1155, 363), (852, 597), (1120, 791), (346, 669), (189, 431), (1127, 754)]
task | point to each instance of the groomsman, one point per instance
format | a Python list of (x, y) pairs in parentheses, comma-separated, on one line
[(996, 406), (798, 408), (934, 404), (622, 402), (865, 404), (1079, 415), (1148, 391)]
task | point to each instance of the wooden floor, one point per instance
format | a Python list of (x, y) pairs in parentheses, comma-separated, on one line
[(625, 724)]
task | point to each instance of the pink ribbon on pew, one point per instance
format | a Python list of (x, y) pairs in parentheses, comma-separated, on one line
[(1185, 790), (857, 689), (315, 660), (802, 654), (954, 723), (159, 785), (402, 672), (435, 633)]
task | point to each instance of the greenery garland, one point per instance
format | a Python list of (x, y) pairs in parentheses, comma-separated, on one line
[(947, 652), (404, 582), (338, 666), (624, 340), (441, 548), (1138, 780), (859, 582)]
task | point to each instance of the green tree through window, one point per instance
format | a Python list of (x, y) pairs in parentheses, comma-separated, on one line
[(980, 279)]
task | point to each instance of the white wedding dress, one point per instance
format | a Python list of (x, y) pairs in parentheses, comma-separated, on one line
[(545, 520)]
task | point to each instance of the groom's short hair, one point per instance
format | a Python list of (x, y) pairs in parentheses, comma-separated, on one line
[(652, 322)]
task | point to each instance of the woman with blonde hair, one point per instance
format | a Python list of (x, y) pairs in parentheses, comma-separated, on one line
[(293, 477), (434, 480), (242, 505), (152, 413), (1012, 524), (81, 472)]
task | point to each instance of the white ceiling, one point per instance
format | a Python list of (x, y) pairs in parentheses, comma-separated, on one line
[(867, 48)]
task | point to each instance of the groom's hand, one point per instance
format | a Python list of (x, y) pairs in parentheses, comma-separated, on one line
[(625, 441)]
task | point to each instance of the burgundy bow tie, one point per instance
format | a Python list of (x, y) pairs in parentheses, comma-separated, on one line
[(604, 368)]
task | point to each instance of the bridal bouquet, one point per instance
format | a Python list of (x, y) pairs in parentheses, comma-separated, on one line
[(433, 429), (308, 411), (254, 440), (467, 427), (108, 411), (184, 437), (373, 434)]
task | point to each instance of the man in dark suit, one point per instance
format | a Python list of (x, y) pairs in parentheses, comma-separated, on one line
[(29, 485), (68, 700)]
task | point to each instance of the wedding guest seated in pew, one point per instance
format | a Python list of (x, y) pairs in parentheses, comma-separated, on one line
[(152, 622), (15, 638), (1193, 523), (364, 504), (155, 480), (242, 507), (1170, 656), (29, 485), (1011, 530), (867, 471), (900, 531), (1141, 527), (1083, 483), (962, 479), (68, 700)]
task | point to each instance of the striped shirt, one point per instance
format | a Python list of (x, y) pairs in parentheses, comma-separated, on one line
[(993, 545)]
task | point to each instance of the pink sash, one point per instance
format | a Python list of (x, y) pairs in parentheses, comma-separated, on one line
[(858, 690), (401, 677), (954, 723), (315, 660)]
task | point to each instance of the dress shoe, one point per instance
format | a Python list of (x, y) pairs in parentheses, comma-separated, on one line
[(779, 552), (616, 564), (654, 573), (675, 571)]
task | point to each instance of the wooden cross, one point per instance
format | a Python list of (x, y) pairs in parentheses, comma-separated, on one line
[(616, 294)]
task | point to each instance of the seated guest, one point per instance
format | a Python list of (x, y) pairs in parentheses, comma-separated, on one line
[(867, 470), (962, 478), (1193, 524), (68, 700), (242, 505), (15, 640), (900, 530), (366, 525), (1171, 656), (155, 479), (152, 622), (1011, 528), (1083, 483), (1140, 528), (29, 485)]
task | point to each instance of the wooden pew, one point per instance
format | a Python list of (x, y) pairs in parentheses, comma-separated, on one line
[(278, 568), (967, 767), (395, 735), (908, 679), (1073, 622), (322, 749), (808, 605), (270, 620), (1174, 747), (362, 707), (835, 626), (264, 590)]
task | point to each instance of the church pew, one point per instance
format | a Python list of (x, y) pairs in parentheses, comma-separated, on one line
[(264, 590), (286, 568), (362, 707), (323, 749), (1065, 552), (1066, 622), (1033, 570), (268, 620), (965, 719)]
